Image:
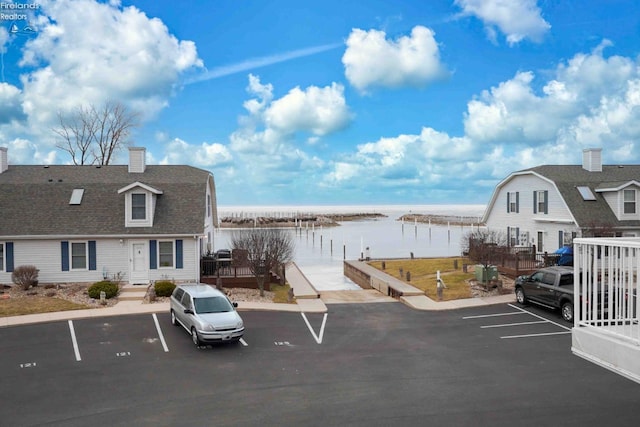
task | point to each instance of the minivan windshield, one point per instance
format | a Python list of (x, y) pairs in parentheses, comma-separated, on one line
[(212, 305)]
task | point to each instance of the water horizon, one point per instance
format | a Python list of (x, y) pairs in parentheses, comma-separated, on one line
[(433, 209)]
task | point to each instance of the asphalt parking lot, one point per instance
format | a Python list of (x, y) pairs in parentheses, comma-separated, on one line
[(359, 364)]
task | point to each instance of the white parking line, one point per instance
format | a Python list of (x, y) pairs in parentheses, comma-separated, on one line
[(76, 350), (511, 313), (318, 338), (540, 317), (243, 342), (513, 324), (164, 343), (536, 335)]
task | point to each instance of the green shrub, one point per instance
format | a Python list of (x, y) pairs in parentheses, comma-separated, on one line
[(25, 276), (164, 288), (110, 289)]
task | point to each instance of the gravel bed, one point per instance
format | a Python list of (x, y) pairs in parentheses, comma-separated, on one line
[(77, 293)]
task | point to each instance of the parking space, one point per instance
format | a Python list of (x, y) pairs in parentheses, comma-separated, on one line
[(113, 340), (512, 322), (34, 347)]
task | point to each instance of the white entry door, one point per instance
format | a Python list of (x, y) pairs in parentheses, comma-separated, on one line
[(139, 264)]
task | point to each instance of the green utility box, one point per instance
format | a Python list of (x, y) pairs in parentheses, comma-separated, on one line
[(486, 274)]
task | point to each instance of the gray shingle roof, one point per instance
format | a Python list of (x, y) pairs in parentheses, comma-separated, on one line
[(587, 213), (34, 200)]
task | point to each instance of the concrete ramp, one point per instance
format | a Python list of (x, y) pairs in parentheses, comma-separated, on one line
[(302, 287)]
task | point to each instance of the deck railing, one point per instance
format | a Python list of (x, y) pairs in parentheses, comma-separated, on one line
[(608, 267), (213, 268)]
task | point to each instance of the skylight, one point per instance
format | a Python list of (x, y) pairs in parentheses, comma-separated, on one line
[(586, 192), (76, 196)]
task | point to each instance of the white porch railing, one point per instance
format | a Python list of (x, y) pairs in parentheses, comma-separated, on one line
[(606, 329), (608, 267)]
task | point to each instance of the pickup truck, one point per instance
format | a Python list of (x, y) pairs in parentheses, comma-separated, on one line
[(550, 287)]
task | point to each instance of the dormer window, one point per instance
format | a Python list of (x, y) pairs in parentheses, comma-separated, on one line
[(629, 201), (140, 201), (138, 206)]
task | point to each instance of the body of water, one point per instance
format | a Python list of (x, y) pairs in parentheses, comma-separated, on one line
[(320, 251)]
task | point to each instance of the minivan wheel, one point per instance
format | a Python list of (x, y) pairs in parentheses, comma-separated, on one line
[(174, 321), (194, 337), (567, 311), (520, 297)]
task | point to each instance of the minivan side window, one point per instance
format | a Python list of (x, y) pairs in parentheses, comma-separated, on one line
[(178, 294), (186, 301)]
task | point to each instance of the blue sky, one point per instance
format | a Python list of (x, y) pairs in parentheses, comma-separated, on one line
[(333, 102)]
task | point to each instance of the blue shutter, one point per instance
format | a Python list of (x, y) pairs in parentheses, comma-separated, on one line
[(153, 254), (179, 253), (92, 254), (546, 201), (508, 206), (64, 252), (535, 202), (8, 248), (517, 201)]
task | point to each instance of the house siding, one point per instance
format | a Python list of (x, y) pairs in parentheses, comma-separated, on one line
[(525, 219), (112, 259), (190, 270)]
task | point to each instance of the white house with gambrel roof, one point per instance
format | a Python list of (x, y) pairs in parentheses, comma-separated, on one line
[(85, 223), (548, 206)]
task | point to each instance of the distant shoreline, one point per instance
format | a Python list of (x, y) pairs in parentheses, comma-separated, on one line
[(334, 219), (303, 220), (441, 219)]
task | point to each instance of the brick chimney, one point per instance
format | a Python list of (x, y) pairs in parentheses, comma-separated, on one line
[(137, 159), (4, 163), (592, 159)]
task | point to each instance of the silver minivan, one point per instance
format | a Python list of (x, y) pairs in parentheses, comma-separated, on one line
[(206, 313)]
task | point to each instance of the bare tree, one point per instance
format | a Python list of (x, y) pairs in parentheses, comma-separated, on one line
[(93, 135), (266, 249), (484, 245)]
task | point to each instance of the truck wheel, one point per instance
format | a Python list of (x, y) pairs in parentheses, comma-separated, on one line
[(520, 297), (567, 311)]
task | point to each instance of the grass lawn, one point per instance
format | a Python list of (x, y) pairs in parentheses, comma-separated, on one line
[(423, 275), (36, 304), (281, 293)]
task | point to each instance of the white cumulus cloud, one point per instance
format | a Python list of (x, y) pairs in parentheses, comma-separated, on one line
[(315, 109), (10, 103), (271, 124), (88, 52), (589, 101), (205, 155), (373, 60), (516, 19)]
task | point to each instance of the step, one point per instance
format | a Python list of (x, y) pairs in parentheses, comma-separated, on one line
[(132, 293)]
